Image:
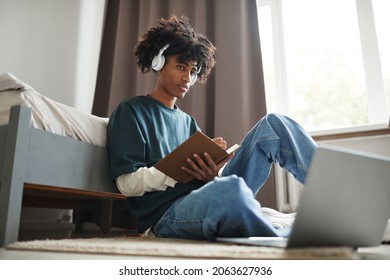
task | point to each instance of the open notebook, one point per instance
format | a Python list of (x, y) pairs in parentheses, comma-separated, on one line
[(346, 202)]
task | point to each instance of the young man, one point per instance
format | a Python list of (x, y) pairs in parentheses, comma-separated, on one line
[(144, 129)]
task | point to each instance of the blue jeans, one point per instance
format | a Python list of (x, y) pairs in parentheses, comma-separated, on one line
[(226, 206)]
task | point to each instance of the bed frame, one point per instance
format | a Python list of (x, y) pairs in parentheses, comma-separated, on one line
[(43, 167)]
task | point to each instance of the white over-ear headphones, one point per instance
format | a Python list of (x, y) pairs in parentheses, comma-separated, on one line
[(195, 77), (159, 61)]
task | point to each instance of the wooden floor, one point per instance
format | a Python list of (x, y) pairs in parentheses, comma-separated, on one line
[(378, 253)]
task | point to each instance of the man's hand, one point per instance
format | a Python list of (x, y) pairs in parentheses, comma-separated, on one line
[(206, 170), (220, 142)]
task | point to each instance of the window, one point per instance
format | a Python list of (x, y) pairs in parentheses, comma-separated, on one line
[(326, 62)]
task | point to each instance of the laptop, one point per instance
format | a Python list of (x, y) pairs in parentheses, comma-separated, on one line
[(345, 202)]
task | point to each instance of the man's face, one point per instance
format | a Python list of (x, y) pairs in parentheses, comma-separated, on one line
[(175, 77)]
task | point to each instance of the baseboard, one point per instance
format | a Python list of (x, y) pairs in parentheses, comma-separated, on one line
[(46, 226)]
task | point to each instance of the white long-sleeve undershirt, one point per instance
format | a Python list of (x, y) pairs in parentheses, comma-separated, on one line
[(143, 180)]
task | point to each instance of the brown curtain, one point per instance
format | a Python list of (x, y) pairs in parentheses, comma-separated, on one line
[(233, 99)]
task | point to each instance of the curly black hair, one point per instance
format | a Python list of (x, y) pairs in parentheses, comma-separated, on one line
[(182, 40)]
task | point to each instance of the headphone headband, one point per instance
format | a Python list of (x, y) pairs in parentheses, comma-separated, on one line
[(163, 49)]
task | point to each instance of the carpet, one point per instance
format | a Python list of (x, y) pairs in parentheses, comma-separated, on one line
[(179, 248)]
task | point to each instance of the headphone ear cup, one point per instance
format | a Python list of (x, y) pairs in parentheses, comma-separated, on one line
[(193, 79), (158, 62)]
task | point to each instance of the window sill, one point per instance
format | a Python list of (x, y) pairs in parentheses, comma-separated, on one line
[(343, 134)]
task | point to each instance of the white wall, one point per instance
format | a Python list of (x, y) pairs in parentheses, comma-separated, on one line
[(54, 46), (379, 145)]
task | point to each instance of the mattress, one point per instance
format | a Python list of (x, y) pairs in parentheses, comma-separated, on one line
[(49, 115)]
